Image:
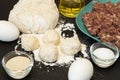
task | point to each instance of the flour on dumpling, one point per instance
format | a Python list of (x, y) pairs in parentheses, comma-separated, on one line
[(51, 36), (48, 53), (29, 42)]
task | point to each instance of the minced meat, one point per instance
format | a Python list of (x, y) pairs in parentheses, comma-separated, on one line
[(104, 22)]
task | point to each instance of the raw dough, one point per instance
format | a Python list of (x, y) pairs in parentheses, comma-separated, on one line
[(29, 43), (34, 16), (48, 53), (70, 46), (51, 36)]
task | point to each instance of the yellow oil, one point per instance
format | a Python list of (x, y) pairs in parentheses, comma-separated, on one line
[(70, 8)]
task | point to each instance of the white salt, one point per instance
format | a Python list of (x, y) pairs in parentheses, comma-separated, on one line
[(105, 57), (104, 53)]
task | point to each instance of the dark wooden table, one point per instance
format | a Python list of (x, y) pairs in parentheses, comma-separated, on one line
[(54, 73)]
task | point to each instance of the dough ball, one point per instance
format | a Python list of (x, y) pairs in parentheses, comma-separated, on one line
[(48, 53), (29, 43), (34, 16), (51, 36), (70, 46)]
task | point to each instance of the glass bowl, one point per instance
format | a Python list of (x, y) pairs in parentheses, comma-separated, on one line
[(104, 54), (21, 72)]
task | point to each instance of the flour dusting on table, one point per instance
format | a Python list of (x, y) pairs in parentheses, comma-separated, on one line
[(63, 59)]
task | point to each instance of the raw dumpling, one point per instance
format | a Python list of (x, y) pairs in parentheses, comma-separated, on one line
[(48, 53), (34, 16), (51, 36), (70, 46), (29, 43)]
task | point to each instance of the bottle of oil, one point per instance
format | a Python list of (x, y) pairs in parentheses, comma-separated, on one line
[(70, 8)]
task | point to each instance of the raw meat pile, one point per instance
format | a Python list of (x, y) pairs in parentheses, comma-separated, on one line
[(104, 22)]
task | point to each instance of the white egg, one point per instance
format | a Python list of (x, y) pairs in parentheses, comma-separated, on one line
[(81, 69), (8, 31)]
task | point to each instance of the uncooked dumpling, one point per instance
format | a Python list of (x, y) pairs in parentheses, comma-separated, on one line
[(48, 53), (34, 16), (51, 36), (29, 43), (70, 46)]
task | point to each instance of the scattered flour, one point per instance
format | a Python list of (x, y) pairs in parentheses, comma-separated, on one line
[(63, 59)]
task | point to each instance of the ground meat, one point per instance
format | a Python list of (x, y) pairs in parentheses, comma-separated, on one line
[(104, 22)]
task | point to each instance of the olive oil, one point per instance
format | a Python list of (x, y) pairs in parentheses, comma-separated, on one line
[(70, 8)]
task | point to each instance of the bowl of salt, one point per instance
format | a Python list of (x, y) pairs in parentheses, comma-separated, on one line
[(104, 54)]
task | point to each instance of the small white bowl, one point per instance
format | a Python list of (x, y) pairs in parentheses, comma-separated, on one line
[(107, 54), (17, 74)]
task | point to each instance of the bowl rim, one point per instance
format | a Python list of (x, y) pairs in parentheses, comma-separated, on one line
[(106, 44), (16, 53)]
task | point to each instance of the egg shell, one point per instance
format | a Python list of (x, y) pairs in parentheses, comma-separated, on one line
[(8, 31), (81, 69)]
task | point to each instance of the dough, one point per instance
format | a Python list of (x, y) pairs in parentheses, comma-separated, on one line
[(29, 43), (34, 16), (48, 53), (51, 36), (70, 46)]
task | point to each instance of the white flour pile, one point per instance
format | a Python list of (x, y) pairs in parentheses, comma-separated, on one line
[(63, 59)]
